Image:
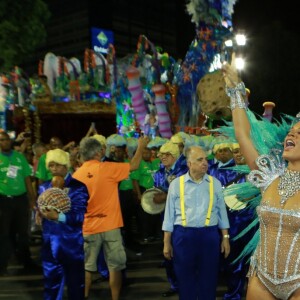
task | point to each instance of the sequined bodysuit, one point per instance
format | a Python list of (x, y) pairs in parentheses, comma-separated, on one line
[(277, 257), (276, 260)]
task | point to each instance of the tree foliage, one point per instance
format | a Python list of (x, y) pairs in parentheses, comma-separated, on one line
[(22, 30)]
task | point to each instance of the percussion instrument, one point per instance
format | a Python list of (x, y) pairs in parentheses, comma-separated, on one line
[(147, 203), (233, 203), (54, 198)]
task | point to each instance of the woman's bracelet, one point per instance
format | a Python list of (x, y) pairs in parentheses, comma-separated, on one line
[(236, 95)]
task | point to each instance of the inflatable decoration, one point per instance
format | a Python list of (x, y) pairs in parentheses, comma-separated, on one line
[(151, 115), (50, 70), (164, 122), (268, 113), (137, 94)]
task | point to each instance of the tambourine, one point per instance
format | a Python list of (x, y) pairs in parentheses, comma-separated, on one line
[(147, 203), (234, 203)]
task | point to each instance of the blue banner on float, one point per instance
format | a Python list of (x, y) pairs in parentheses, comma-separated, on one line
[(101, 38)]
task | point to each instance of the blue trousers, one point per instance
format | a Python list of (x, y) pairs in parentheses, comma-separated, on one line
[(169, 266), (61, 267), (235, 273), (196, 261)]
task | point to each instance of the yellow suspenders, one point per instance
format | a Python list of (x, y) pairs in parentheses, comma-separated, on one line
[(181, 190), (211, 200)]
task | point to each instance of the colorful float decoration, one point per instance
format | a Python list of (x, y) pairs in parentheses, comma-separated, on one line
[(148, 75), (268, 110), (68, 82), (213, 23), (150, 92)]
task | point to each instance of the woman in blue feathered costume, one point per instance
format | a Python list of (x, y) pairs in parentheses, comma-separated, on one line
[(62, 249)]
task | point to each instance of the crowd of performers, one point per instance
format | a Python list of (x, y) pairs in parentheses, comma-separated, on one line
[(215, 212)]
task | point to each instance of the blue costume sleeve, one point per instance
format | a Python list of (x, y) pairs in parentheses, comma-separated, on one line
[(162, 180), (79, 196), (62, 218)]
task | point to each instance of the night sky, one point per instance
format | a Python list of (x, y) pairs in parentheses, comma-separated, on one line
[(272, 71), (272, 51), (252, 14)]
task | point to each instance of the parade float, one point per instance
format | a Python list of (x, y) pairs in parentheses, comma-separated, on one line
[(62, 90), (148, 92)]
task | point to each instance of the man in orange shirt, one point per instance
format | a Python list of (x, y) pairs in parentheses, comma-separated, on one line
[(103, 218)]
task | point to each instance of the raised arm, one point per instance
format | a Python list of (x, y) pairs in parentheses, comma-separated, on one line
[(136, 159), (236, 91), (92, 130)]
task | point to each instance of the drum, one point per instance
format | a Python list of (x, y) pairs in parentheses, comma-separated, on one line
[(147, 202), (234, 203)]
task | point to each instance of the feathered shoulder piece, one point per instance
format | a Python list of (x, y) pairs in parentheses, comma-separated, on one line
[(270, 166)]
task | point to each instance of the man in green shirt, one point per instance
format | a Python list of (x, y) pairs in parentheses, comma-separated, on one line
[(16, 201), (142, 180), (127, 202)]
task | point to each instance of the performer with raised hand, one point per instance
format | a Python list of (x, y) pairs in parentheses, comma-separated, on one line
[(274, 269)]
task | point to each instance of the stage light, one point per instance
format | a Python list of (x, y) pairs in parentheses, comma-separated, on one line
[(239, 63), (228, 43), (240, 39)]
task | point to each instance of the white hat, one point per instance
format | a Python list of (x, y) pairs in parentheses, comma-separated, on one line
[(116, 140), (58, 156)]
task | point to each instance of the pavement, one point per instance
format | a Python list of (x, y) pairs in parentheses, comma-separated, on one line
[(146, 279)]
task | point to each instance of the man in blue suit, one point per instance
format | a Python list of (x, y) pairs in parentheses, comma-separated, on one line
[(62, 249)]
